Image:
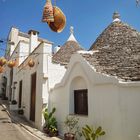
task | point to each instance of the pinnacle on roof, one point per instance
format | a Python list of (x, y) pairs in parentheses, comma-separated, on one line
[(116, 17), (72, 38), (65, 52)]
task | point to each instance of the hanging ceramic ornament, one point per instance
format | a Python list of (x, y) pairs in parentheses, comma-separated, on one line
[(11, 64), (2, 61), (31, 63), (59, 20), (1, 69), (48, 12)]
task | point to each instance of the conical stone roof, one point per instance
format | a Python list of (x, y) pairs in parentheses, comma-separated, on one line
[(117, 52), (65, 52)]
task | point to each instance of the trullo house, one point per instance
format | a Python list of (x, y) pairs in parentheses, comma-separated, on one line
[(102, 86)]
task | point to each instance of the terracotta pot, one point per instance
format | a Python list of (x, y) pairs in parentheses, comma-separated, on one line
[(69, 136), (53, 134), (46, 130), (21, 111)]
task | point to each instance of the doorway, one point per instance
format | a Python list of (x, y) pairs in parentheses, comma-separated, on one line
[(33, 97), (20, 94), (10, 87)]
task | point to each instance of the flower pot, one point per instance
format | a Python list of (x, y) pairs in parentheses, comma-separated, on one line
[(53, 134), (46, 130), (20, 111), (69, 136)]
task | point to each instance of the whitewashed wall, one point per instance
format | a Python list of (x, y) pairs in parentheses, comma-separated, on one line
[(45, 74), (24, 74), (23, 51), (111, 104)]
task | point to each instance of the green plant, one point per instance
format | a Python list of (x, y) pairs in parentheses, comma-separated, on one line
[(73, 130), (92, 134), (50, 121), (71, 123)]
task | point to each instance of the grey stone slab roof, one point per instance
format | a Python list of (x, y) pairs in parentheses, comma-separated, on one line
[(65, 52), (117, 52)]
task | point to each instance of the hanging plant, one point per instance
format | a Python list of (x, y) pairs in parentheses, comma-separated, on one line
[(31, 63), (11, 63), (2, 61)]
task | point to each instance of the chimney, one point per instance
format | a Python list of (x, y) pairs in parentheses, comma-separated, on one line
[(33, 40)]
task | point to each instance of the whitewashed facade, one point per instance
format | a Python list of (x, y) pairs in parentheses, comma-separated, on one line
[(112, 104), (23, 48), (102, 86)]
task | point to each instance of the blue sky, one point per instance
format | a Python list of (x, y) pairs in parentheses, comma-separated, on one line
[(89, 18)]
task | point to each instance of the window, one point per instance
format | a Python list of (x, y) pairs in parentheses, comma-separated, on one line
[(81, 102)]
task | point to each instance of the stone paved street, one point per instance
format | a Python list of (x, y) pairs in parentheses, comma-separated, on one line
[(12, 131)]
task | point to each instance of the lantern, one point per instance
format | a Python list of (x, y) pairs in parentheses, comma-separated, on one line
[(1, 69), (11, 63), (2, 61), (31, 63), (48, 12), (59, 20)]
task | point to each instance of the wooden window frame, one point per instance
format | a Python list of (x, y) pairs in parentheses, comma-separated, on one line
[(81, 102)]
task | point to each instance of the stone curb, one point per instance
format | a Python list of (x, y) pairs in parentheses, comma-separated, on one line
[(27, 129)]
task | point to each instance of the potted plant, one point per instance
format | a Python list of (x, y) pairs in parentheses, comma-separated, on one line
[(20, 111), (13, 105), (71, 123), (90, 133), (50, 126), (53, 131), (13, 102)]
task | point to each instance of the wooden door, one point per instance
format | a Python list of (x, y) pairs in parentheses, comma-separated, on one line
[(33, 97), (11, 80), (20, 94)]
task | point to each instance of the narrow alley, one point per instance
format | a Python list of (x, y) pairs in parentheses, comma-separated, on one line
[(12, 131)]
